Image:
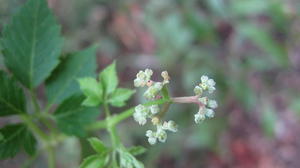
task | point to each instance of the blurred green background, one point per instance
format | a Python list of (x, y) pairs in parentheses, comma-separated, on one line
[(250, 47)]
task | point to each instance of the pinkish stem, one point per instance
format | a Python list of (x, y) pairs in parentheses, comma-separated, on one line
[(189, 99)]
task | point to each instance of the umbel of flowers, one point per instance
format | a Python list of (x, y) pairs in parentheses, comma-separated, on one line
[(155, 114)]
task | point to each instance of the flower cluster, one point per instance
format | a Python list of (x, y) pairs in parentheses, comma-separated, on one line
[(160, 133), (206, 105), (142, 113), (153, 92)]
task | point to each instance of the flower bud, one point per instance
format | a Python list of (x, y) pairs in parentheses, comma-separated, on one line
[(154, 109), (140, 114), (170, 125), (212, 104), (166, 77), (203, 100), (210, 113), (199, 118), (198, 90), (161, 135), (151, 137)]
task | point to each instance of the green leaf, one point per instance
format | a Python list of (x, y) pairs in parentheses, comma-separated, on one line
[(119, 96), (268, 118), (32, 43), (264, 40), (29, 143), (1, 137), (128, 160), (62, 82), (137, 150), (12, 99), (16, 137), (72, 118), (109, 78), (92, 90), (97, 145), (94, 161)]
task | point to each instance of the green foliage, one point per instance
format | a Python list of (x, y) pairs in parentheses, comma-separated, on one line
[(98, 160), (16, 137), (98, 145), (137, 150), (120, 96), (106, 90), (128, 160), (12, 99), (109, 78), (269, 119), (32, 43), (72, 118), (62, 82), (262, 39), (94, 161), (92, 90)]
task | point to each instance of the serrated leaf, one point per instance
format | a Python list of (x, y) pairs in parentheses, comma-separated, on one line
[(32, 43), (62, 83), (12, 99), (137, 150), (128, 160), (29, 143), (72, 118), (119, 96), (92, 90), (16, 137), (97, 145), (109, 78), (94, 161)]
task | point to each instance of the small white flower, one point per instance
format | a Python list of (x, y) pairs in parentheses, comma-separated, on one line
[(154, 109), (166, 77), (170, 125), (207, 84), (161, 134), (210, 113), (211, 85), (142, 78), (153, 90), (198, 90), (151, 137), (140, 114), (212, 104), (204, 79), (203, 100), (148, 73), (199, 117)]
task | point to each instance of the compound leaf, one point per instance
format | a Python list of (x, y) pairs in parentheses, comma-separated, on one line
[(32, 43), (62, 83), (12, 100)]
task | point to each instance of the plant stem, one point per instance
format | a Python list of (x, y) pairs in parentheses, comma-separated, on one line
[(51, 156), (165, 108), (106, 109), (42, 136), (34, 101), (122, 116), (189, 99), (37, 131)]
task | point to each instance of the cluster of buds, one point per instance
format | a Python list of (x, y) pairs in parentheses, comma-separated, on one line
[(142, 113), (143, 78), (161, 134), (206, 105)]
